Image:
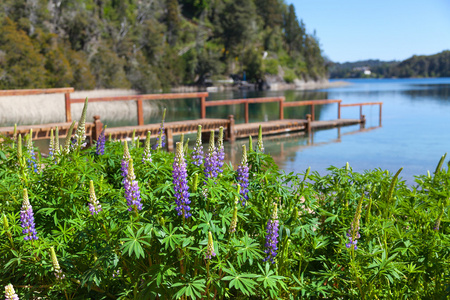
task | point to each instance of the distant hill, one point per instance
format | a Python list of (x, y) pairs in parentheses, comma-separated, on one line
[(437, 65)]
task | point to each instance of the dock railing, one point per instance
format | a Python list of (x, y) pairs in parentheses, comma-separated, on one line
[(312, 103), (246, 102), (380, 104), (138, 99)]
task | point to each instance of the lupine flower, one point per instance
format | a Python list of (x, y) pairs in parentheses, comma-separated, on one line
[(124, 163), (67, 142), (233, 223), (147, 155), (10, 293), (132, 193), (186, 147), (180, 183), (19, 147), (116, 273), (160, 143), (56, 150), (220, 150), (437, 224), (27, 219), (212, 159), (51, 147), (243, 173), (197, 154), (250, 144), (353, 233), (94, 205), (58, 272), (32, 162), (259, 144), (272, 236), (80, 134), (210, 248), (100, 146)]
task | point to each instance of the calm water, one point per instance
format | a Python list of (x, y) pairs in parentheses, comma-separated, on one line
[(415, 130)]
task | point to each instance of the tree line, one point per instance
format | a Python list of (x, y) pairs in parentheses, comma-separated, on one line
[(437, 65), (152, 45)]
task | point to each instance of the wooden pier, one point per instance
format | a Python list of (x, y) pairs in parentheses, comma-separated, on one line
[(232, 131)]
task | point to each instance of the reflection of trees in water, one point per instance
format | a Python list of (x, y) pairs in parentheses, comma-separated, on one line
[(430, 92)]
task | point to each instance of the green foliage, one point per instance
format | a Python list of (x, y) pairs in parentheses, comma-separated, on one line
[(403, 251), (149, 45)]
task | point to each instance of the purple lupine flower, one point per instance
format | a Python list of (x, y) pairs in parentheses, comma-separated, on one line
[(10, 293), (259, 143), (242, 176), (27, 218), (58, 272), (272, 236), (132, 193), (352, 240), (124, 163), (116, 273), (32, 161), (100, 146), (147, 155), (197, 154), (94, 206), (353, 233), (212, 159), (220, 150), (210, 248), (160, 140), (51, 147), (181, 188)]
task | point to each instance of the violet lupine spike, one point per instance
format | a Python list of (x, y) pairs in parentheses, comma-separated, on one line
[(212, 159), (132, 192), (67, 142), (259, 143), (124, 163), (271, 247), (220, 150), (197, 154), (10, 293), (80, 134), (242, 176), (100, 146), (181, 188), (353, 233), (160, 140), (51, 147), (147, 155), (32, 161), (27, 219), (58, 272), (210, 248), (94, 206)]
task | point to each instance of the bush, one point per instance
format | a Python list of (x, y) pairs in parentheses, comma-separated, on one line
[(225, 249)]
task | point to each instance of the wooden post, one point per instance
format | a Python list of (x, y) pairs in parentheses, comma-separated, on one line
[(381, 105), (68, 111), (312, 112), (98, 127), (231, 136), (339, 110), (169, 139), (246, 112), (203, 108), (360, 112), (308, 119), (363, 122), (281, 108), (140, 112)]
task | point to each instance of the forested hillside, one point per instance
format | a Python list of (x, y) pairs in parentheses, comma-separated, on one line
[(150, 45), (437, 65)]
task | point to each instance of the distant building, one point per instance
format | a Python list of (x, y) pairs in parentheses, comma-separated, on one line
[(364, 70)]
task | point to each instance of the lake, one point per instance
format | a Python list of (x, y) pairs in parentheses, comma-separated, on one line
[(415, 130)]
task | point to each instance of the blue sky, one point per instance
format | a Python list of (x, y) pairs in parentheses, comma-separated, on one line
[(351, 30)]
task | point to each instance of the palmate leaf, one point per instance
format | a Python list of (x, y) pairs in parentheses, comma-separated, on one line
[(171, 239), (248, 249), (193, 289), (269, 279), (242, 282), (133, 243)]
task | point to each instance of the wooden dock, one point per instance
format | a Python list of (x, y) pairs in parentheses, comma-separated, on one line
[(232, 131)]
